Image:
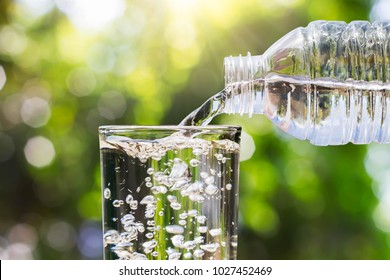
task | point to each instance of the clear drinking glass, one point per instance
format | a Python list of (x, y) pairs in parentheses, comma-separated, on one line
[(170, 192)]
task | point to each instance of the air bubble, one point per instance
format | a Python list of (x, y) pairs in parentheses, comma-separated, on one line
[(172, 198), (196, 187), (178, 240), (170, 250), (202, 229), (111, 237), (183, 216), (179, 184), (199, 239), (198, 253), (182, 222), (211, 247), (215, 232), (122, 250), (151, 206), (209, 180), (179, 169), (174, 256), (149, 214), (129, 236), (149, 246), (140, 227), (201, 219), (219, 156), (149, 199), (228, 187), (192, 212), (184, 192), (149, 184), (189, 245), (159, 189), (129, 198), (194, 162), (149, 235), (138, 256), (158, 176), (187, 255), (106, 193), (150, 171), (204, 175), (197, 198), (133, 205), (130, 228), (211, 189), (128, 218), (117, 203), (175, 205), (163, 189), (175, 229)]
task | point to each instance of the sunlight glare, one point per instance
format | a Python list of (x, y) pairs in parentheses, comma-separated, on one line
[(91, 14), (37, 7)]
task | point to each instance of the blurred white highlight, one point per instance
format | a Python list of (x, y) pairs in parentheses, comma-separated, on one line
[(39, 151), (91, 14)]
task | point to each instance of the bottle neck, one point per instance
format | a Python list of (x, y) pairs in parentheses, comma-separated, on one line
[(244, 84)]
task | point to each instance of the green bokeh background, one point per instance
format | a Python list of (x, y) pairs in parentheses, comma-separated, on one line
[(72, 67)]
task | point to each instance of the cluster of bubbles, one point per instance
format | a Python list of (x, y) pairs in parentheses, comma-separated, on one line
[(156, 149), (175, 184)]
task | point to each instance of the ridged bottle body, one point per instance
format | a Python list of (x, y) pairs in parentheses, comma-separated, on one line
[(328, 83)]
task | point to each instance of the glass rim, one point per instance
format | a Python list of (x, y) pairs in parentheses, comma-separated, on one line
[(123, 128)]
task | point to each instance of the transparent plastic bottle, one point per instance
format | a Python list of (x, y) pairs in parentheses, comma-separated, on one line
[(328, 82)]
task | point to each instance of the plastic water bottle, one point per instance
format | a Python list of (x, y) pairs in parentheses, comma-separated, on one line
[(328, 82)]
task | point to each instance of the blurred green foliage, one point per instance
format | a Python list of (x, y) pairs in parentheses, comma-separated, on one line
[(71, 66)]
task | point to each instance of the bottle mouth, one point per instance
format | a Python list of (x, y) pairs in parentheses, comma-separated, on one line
[(238, 69), (239, 83)]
